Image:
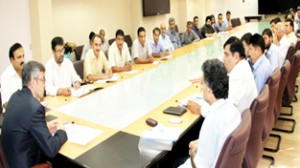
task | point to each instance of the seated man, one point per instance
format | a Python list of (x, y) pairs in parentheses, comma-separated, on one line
[(260, 64), (283, 42), (228, 20), (88, 46), (222, 119), (174, 36), (189, 35), (220, 26), (96, 66), (11, 77), (207, 29), (242, 87), (272, 50), (156, 45), (25, 137), (289, 30), (104, 42), (196, 28), (141, 49), (118, 54), (165, 39), (246, 42), (60, 73), (273, 23)]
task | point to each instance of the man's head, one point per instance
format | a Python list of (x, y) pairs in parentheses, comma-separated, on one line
[(256, 47), (246, 41), (141, 32), (156, 33), (172, 23), (208, 21), (58, 49), (273, 23), (120, 38), (91, 35), (33, 76), (102, 34), (268, 37), (189, 26), (279, 30), (215, 80), (96, 44), (228, 15), (289, 26), (163, 29), (220, 18), (16, 56), (196, 21), (212, 19), (233, 53)]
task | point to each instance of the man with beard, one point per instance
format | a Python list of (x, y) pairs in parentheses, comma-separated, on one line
[(11, 77), (60, 73), (118, 54), (272, 50), (207, 29)]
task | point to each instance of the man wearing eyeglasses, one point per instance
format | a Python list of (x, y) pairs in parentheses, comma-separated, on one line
[(60, 73)]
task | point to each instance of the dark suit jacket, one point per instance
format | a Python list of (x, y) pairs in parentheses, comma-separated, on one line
[(25, 135)]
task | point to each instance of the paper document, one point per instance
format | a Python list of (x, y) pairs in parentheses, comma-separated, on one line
[(114, 78), (81, 134), (198, 98), (162, 133), (79, 92), (167, 57), (208, 38), (155, 62), (131, 72)]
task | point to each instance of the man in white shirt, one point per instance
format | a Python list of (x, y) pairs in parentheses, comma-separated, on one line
[(289, 30), (242, 87), (222, 119), (141, 49), (104, 42), (164, 38), (87, 47), (283, 42), (96, 66), (228, 20), (11, 77), (272, 51), (60, 73), (118, 54)]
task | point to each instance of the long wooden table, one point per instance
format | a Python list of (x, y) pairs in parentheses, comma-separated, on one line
[(121, 108)]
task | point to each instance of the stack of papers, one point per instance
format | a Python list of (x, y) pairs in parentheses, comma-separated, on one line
[(198, 98), (80, 92), (81, 135), (114, 78)]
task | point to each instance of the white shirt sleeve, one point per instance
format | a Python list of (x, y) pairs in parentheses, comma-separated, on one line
[(111, 55), (51, 90), (135, 52)]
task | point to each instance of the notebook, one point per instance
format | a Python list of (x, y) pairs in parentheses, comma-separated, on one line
[(175, 110)]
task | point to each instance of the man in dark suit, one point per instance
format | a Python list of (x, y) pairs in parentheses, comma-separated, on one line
[(25, 135)]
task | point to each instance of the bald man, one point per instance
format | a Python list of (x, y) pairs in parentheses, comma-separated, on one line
[(105, 45), (165, 39), (283, 42)]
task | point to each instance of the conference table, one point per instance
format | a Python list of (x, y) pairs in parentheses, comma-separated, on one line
[(120, 109)]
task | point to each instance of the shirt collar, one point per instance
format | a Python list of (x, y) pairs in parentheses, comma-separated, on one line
[(258, 62), (217, 104)]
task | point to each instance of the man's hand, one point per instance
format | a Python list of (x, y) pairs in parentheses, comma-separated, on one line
[(64, 92), (194, 107)]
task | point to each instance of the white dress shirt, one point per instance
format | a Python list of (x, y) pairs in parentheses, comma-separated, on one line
[(140, 51), (115, 58), (223, 118), (273, 55), (242, 87), (166, 42), (292, 38), (10, 82), (284, 46), (62, 76)]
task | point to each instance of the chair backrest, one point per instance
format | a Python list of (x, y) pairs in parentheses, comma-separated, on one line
[(234, 148), (238, 21), (1, 109), (78, 52), (291, 51), (285, 72), (297, 46), (78, 65), (273, 83), (110, 41), (235, 22), (128, 40), (3, 159), (289, 92), (258, 109)]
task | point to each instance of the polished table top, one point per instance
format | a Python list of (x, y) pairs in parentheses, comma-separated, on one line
[(124, 105)]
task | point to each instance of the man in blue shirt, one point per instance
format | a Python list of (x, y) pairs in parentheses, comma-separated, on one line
[(261, 65), (156, 45), (174, 36), (272, 50)]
